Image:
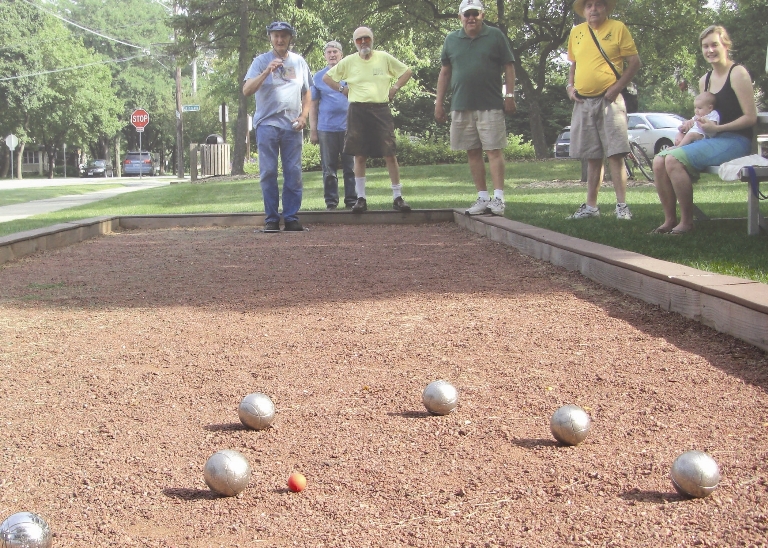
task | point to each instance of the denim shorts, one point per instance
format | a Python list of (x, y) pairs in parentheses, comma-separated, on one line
[(703, 153)]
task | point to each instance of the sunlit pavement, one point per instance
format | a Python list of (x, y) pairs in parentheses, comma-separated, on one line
[(37, 207)]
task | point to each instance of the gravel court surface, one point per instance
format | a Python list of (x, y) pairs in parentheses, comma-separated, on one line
[(123, 360)]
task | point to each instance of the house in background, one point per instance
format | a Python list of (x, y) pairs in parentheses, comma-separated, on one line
[(34, 161)]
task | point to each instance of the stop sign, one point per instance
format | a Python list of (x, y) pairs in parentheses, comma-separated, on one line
[(139, 119)]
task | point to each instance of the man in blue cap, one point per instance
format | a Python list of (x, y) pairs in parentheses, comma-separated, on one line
[(281, 81)]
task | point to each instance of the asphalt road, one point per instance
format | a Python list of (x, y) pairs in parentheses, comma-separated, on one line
[(21, 211)]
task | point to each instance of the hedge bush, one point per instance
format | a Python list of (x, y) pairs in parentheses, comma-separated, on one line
[(412, 152)]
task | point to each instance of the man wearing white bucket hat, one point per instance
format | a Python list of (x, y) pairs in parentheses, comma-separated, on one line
[(598, 51)]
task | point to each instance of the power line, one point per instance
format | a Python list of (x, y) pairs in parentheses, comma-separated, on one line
[(123, 60), (57, 16)]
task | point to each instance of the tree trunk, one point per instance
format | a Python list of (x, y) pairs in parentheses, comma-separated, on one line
[(241, 127), (535, 119), (18, 155), (51, 153), (102, 148), (4, 162), (117, 164)]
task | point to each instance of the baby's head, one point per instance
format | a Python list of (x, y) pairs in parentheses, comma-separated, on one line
[(704, 103)]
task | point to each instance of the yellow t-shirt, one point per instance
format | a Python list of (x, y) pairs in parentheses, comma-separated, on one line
[(593, 75), (369, 80)]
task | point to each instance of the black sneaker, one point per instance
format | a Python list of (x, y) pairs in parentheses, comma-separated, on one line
[(400, 205), (293, 226), (360, 206), (272, 226), (331, 207), (350, 206)]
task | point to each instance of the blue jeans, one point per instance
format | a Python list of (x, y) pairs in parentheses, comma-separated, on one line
[(331, 146), (287, 142)]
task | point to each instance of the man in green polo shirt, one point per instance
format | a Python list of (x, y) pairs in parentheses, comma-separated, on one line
[(473, 59)]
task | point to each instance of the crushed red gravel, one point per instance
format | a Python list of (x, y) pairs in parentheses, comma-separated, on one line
[(123, 360)]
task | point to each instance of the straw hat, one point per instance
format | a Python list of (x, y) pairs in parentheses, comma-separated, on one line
[(578, 6)]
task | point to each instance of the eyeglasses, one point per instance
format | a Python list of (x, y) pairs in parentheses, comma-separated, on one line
[(363, 39), (471, 13)]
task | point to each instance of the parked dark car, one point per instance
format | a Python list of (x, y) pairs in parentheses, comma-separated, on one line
[(98, 168), (563, 143), (144, 163)]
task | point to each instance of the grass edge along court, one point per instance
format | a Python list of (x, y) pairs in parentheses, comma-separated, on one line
[(539, 193)]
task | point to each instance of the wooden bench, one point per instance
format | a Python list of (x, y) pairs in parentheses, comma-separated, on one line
[(755, 219)]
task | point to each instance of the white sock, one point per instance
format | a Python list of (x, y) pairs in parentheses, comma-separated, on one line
[(483, 195), (397, 190), (360, 186), (498, 194)]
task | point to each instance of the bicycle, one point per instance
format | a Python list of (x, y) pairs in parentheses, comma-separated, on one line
[(638, 159)]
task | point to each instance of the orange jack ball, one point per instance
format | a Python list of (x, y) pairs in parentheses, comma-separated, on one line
[(297, 482)]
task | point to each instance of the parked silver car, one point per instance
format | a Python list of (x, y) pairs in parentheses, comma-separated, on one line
[(653, 131), (141, 163)]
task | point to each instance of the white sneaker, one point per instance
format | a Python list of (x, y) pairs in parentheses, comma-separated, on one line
[(479, 207), (585, 211), (496, 206), (623, 212)]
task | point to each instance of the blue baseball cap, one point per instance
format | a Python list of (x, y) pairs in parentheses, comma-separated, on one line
[(281, 25)]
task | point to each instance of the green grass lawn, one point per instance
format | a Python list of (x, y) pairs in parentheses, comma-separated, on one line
[(720, 246), (23, 195)]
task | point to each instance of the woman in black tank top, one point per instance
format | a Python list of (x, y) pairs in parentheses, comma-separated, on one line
[(675, 169), (727, 104)]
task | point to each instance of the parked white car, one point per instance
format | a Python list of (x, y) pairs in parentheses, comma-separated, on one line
[(653, 131)]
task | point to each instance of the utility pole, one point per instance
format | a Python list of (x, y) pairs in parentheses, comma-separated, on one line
[(179, 123)]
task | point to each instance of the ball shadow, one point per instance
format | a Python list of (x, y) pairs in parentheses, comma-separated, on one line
[(190, 494), (413, 414), (532, 443), (226, 427), (652, 497)]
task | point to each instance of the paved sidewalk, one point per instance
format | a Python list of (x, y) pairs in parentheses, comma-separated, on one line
[(24, 210)]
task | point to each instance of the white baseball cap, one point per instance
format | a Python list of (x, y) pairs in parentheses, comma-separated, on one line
[(471, 5)]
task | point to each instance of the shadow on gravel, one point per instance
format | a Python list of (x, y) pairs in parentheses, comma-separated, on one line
[(535, 443), (412, 414), (655, 497), (226, 427), (190, 494)]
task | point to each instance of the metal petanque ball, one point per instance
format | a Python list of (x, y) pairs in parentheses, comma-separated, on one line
[(570, 424), (440, 397), (25, 530), (227, 472), (695, 474), (256, 411)]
